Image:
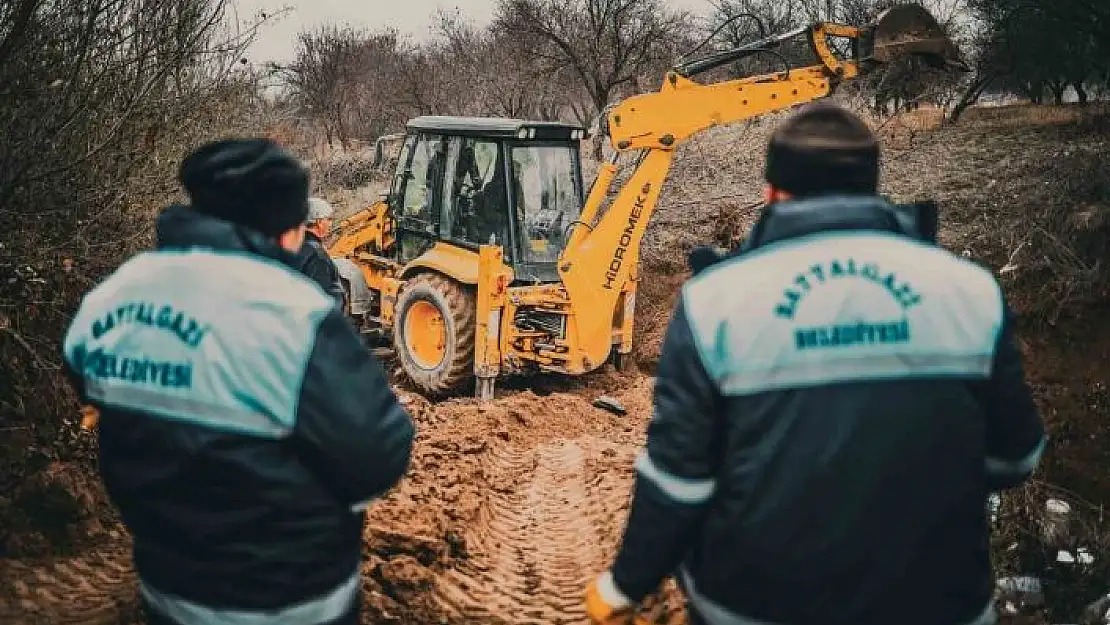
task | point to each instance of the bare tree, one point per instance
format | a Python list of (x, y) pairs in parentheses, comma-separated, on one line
[(99, 99), (91, 70), (739, 22), (605, 44), (320, 75), (430, 84), (369, 92), (504, 80), (359, 83), (743, 21)]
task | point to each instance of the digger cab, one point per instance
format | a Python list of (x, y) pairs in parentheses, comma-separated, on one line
[(485, 181)]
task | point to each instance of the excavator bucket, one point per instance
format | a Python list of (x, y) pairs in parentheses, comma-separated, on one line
[(909, 30)]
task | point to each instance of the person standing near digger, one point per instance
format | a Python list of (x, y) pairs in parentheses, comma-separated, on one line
[(313, 259), (834, 403), (243, 426)]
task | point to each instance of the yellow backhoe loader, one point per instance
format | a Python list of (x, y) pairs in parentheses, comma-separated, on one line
[(488, 257)]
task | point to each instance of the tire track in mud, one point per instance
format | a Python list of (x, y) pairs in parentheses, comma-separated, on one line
[(96, 588), (538, 540), (511, 508)]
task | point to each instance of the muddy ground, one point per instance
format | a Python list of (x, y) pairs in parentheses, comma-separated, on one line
[(510, 508)]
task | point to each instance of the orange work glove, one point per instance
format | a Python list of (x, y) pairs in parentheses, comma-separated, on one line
[(606, 605), (90, 416)]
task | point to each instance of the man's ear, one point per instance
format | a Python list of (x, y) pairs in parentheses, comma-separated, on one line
[(291, 240)]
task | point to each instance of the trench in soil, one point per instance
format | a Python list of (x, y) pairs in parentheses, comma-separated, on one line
[(510, 508)]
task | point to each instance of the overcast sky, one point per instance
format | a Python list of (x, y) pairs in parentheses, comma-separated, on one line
[(276, 42)]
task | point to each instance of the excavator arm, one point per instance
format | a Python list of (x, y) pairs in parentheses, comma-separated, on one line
[(598, 264), (683, 107)]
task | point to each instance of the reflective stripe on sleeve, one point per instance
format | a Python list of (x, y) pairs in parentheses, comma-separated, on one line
[(362, 506), (324, 609), (187, 410), (831, 370), (1024, 466), (680, 489)]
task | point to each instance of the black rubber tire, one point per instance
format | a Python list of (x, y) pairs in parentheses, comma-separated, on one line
[(457, 306)]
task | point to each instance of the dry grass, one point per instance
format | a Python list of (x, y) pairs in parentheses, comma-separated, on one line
[(1022, 189), (1029, 540), (348, 171), (1026, 115), (94, 127), (55, 261)]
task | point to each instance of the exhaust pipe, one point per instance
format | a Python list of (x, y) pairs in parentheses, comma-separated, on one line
[(909, 30)]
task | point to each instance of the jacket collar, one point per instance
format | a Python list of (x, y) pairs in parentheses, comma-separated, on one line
[(797, 218), (180, 227)]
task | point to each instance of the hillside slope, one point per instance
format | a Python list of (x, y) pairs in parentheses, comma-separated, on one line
[(509, 508)]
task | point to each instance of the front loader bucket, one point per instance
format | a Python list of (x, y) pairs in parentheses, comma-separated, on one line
[(909, 30)]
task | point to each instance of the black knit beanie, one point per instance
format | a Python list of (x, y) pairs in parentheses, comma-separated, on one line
[(823, 149), (251, 182)]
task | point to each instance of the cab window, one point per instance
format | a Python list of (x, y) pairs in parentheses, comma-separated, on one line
[(547, 197), (418, 214), (419, 201), (476, 211)]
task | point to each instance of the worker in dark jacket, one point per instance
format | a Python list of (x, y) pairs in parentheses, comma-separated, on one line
[(313, 259), (834, 405), (243, 426)]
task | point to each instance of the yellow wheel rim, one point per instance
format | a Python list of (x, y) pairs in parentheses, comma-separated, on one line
[(425, 334)]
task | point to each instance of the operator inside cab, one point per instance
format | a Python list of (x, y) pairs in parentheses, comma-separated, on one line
[(833, 405), (479, 193)]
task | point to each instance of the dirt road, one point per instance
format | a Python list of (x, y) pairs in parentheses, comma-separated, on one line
[(508, 511), (521, 502), (541, 533)]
